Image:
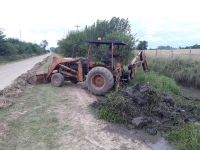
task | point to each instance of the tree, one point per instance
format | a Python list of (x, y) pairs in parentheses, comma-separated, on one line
[(44, 44), (114, 29), (2, 43), (52, 49), (142, 45)]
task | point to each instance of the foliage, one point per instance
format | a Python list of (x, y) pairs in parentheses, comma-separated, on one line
[(196, 46), (164, 47), (114, 29), (114, 109), (142, 45), (13, 49), (158, 82), (2, 43), (186, 137), (109, 114), (44, 44)]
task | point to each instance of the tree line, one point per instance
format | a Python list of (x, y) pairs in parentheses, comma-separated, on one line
[(114, 29), (13, 49), (196, 46)]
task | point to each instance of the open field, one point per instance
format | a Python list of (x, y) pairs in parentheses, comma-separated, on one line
[(182, 53)]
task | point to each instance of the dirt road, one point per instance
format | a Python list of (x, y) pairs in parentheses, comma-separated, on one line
[(88, 132), (11, 71)]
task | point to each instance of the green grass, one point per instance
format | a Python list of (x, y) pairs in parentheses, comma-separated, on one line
[(113, 111), (34, 122), (40, 126), (186, 137), (109, 114), (193, 104), (185, 71), (159, 82), (7, 59)]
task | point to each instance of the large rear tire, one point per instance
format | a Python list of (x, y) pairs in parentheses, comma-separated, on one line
[(57, 79), (99, 80)]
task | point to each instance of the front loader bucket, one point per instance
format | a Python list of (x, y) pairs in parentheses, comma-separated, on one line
[(37, 79)]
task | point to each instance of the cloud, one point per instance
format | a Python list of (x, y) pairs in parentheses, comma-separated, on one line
[(196, 35), (173, 28), (155, 21)]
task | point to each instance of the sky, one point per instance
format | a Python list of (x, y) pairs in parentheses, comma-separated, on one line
[(159, 22)]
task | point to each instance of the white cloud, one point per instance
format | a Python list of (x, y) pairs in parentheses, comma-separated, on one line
[(50, 19), (197, 35), (173, 28)]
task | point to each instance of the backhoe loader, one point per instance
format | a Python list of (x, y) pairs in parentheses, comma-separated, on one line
[(99, 76)]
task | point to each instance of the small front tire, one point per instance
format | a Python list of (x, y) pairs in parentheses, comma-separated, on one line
[(57, 79)]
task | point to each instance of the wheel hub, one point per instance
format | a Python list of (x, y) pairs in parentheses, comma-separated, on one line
[(98, 81), (56, 79)]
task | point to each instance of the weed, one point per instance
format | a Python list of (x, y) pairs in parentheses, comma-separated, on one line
[(113, 109), (37, 128), (158, 82), (110, 115), (184, 71), (185, 137)]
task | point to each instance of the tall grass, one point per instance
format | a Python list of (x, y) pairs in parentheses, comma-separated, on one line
[(159, 82), (185, 71), (186, 137)]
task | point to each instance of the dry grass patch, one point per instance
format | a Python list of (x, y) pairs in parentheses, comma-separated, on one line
[(181, 53)]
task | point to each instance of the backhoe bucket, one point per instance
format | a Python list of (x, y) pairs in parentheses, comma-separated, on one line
[(37, 79)]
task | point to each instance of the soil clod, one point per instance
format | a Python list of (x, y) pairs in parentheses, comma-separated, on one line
[(4, 102), (145, 108)]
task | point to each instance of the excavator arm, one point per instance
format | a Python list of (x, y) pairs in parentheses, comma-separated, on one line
[(134, 66)]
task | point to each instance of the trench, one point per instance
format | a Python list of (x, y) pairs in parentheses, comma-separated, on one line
[(155, 141), (190, 92)]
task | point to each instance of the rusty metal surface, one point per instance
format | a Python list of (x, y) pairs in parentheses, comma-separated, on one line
[(119, 65), (98, 81), (80, 71), (57, 61), (112, 56), (63, 66), (37, 79), (67, 74), (92, 64)]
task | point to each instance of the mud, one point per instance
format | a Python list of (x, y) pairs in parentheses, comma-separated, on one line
[(190, 92), (19, 85), (148, 110), (153, 141)]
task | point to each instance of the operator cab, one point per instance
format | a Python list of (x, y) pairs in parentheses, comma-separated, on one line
[(106, 44)]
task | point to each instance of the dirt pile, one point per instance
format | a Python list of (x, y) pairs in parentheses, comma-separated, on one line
[(19, 85), (143, 107), (4, 102)]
